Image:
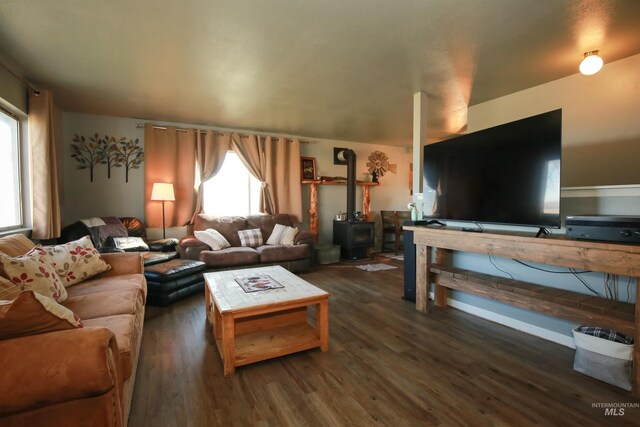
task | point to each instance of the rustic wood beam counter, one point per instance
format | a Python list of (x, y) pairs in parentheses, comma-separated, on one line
[(554, 250)]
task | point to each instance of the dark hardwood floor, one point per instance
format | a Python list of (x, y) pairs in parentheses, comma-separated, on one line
[(387, 365)]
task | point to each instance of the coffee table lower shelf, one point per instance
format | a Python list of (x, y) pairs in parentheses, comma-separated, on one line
[(249, 328), (262, 345)]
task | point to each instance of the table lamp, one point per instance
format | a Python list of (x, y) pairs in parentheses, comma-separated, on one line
[(163, 192)]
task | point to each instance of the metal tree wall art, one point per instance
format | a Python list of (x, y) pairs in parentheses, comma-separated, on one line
[(86, 153), (107, 151), (129, 154), (107, 147)]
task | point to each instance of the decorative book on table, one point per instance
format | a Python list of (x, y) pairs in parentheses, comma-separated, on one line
[(257, 282)]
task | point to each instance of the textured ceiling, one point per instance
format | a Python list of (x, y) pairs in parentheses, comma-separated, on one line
[(340, 69)]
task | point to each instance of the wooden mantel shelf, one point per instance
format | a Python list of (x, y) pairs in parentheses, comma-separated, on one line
[(319, 182), (313, 200)]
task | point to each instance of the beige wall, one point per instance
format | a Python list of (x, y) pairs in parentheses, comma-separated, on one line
[(83, 198), (601, 125), (392, 194), (102, 197), (13, 91)]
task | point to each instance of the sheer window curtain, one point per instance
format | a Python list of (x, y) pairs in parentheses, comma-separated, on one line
[(170, 156), (211, 149), (44, 171)]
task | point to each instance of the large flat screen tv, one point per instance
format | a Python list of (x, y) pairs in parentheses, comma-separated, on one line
[(508, 174)]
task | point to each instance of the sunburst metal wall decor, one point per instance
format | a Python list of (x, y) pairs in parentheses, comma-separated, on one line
[(378, 162)]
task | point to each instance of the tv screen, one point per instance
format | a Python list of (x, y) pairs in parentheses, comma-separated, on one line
[(508, 174)]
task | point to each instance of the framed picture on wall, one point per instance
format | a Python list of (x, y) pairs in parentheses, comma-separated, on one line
[(308, 167)]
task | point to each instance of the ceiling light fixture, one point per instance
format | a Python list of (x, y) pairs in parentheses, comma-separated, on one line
[(591, 63)]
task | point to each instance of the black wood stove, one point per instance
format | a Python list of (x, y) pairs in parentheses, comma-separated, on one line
[(353, 236)]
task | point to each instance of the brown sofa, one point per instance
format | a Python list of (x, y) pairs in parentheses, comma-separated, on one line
[(78, 376), (295, 258)]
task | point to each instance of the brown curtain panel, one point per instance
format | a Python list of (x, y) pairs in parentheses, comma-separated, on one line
[(44, 171), (283, 176), (170, 156), (251, 152), (211, 149)]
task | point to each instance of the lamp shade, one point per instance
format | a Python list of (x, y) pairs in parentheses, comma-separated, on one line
[(162, 191), (591, 64)]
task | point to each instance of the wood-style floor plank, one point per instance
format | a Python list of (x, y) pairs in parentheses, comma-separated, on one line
[(387, 365)]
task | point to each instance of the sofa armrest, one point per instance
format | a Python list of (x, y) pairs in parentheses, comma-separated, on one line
[(192, 247), (50, 368), (191, 240), (305, 238), (122, 263)]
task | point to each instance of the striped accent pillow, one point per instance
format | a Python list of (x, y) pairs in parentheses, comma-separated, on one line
[(8, 290), (282, 235), (213, 238), (250, 238)]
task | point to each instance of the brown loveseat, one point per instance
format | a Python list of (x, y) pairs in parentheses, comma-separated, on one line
[(78, 376), (295, 258)]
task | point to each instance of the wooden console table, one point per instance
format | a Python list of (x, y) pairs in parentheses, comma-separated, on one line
[(313, 200), (552, 250)]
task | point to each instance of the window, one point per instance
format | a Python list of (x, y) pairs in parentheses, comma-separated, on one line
[(233, 191), (10, 194)]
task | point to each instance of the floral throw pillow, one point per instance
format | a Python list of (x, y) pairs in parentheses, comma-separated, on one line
[(33, 271), (76, 261), (31, 313)]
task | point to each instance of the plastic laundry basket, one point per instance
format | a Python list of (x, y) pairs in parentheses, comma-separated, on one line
[(603, 359)]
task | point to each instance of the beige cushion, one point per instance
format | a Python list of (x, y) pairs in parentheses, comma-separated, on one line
[(213, 238), (110, 284), (31, 313), (127, 328), (108, 303), (33, 271), (76, 261), (282, 235)]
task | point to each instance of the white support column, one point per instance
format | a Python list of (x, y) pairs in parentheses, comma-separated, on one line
[(419, 138)]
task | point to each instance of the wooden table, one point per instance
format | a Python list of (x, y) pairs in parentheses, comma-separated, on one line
[(612, 258), (250, 327)]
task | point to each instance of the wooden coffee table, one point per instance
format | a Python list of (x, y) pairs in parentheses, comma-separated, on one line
[(255, 326)]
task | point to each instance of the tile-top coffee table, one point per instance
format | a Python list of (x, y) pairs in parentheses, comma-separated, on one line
[(252, 326)]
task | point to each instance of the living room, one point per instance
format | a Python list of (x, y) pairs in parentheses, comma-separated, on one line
[(366, 78)]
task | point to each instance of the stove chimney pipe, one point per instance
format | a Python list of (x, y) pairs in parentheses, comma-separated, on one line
[(350, 157)]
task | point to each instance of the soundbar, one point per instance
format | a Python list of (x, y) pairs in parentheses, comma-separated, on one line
[(619, 229)]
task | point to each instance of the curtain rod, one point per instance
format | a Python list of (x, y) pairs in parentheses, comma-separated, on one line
[(20, 78), (215, 132)]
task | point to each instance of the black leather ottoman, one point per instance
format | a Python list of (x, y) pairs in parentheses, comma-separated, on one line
[(170, 281), (152, 258)]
